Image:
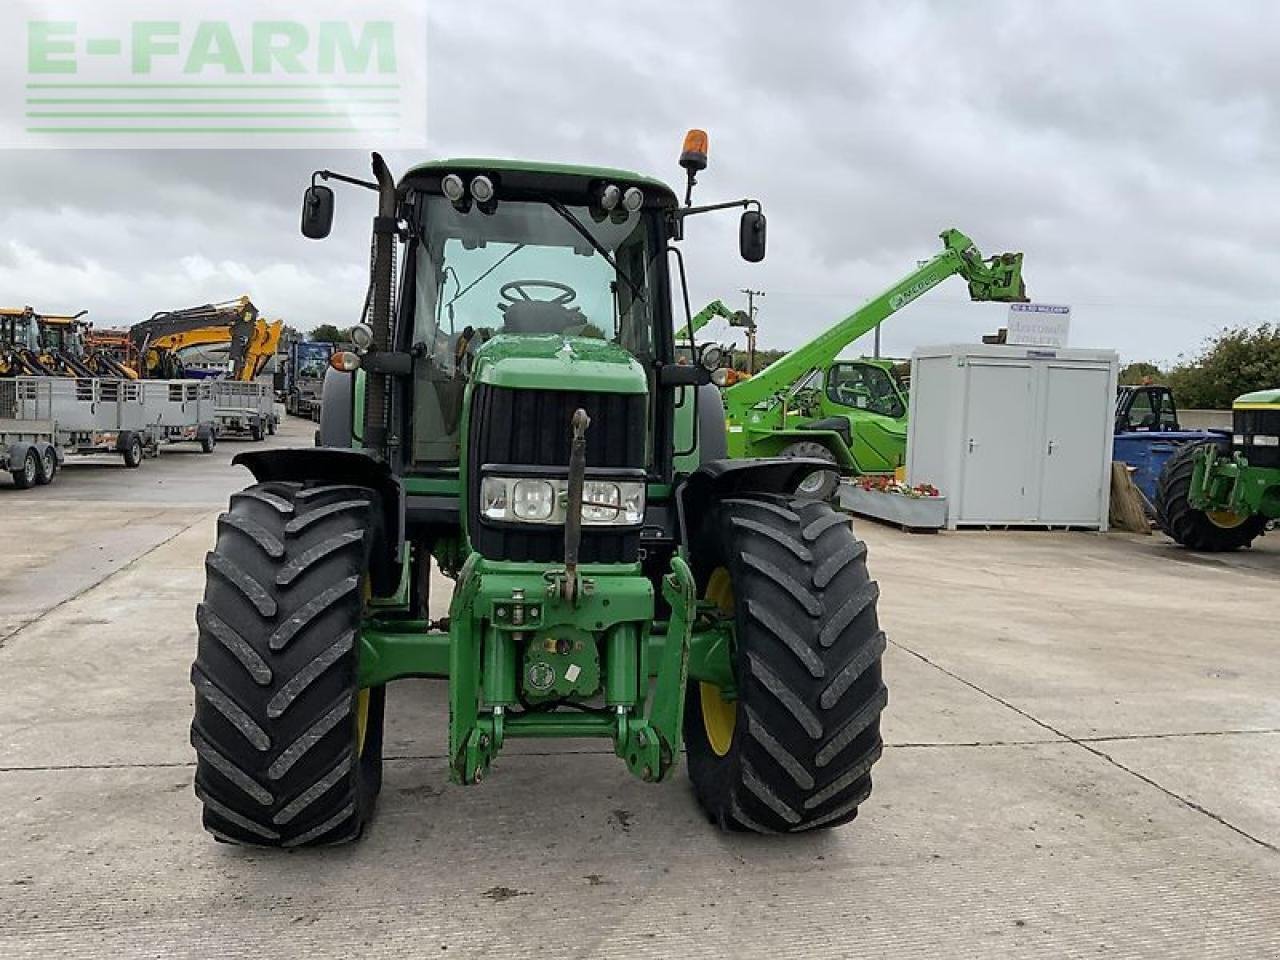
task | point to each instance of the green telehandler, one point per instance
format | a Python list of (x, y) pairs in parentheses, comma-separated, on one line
[(511, 412), (852, 413), (1222, 493)]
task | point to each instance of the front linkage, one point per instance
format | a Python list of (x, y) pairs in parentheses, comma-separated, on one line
[(515, 646)]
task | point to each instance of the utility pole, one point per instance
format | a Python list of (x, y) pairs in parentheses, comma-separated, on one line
[(751, 330)]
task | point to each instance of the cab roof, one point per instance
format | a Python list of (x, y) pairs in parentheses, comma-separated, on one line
[(433, 168)]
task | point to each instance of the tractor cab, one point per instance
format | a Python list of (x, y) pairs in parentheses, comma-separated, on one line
[(1146, 407)]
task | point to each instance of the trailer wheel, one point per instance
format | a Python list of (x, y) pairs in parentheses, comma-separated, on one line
[(207, 442), (821, 484), (28, 474), (48, 466), (133, 452), (271, 426), (794, 750), (1211, 532), (289, 749), (255, 431)]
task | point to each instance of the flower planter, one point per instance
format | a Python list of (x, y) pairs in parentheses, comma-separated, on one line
[(923, 514)]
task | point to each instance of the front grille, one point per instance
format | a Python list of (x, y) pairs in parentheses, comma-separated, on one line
[(531, 428), (1252, 423)]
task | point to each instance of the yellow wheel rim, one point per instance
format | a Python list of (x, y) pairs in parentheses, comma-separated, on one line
[(719, 716), (1226, 519), (362, 719), (362, 698)]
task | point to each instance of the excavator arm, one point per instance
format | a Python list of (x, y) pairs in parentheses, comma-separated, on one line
[(996, 279), (251, 340)]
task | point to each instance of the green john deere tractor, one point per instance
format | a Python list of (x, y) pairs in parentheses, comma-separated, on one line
[(1221, 494), (512, 412)]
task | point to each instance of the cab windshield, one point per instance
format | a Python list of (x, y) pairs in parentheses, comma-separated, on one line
[(525, 268), (865, 386)]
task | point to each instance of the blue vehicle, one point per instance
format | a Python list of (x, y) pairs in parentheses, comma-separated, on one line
[(1148, 433), (304, 377)]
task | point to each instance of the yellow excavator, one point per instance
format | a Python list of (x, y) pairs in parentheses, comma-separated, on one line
[(170, 344), (52, 345)]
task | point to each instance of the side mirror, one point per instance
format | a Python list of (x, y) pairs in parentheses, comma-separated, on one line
[(751, 236), (317, 212)]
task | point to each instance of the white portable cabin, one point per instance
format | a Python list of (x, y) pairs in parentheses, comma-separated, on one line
[(1012, 435)]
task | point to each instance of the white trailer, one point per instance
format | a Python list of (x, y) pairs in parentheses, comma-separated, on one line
[(181, 411), (247, 409), (45, 420)]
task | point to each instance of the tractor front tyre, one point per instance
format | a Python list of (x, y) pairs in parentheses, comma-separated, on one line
[(288, 747), (821, 484), (1207, 531), (794, 750)]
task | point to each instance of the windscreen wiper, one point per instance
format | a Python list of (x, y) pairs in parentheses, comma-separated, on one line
[(596, 245)]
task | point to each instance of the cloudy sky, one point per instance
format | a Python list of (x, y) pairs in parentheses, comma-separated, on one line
[(1130, 150)]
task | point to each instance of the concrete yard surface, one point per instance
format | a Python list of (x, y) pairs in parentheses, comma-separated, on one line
[(1083, 760)]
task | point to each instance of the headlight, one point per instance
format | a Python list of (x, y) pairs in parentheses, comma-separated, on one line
[(605, 503), (493, 498), (533, 500)]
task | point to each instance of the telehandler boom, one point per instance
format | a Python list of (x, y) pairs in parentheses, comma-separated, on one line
[(852, 413)]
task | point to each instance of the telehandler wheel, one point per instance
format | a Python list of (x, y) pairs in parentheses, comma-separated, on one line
[(1211, 532), (289, 750), (821, 484), (133, 452), (794, 751), (27, 475), (48, 466)]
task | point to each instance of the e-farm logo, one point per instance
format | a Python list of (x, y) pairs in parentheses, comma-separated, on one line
[(142, 73)]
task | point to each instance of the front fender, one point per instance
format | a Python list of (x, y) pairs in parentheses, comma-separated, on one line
[(336, 465), (717, 479)]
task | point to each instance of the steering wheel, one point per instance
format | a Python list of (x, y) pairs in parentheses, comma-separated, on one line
[(515, 291), (850, 395)]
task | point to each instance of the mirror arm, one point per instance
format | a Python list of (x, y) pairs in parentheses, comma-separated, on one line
[(682, 212), (330, 175)]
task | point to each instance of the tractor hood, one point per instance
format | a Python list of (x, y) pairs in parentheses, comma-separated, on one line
[(1259, 398), (556, 362)]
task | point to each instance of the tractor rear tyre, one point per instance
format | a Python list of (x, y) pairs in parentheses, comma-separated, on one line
[(821, 484), (794, 750), (288, 748), (27, 474), (1210, 532)]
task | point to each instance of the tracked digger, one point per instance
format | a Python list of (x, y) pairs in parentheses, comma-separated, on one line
[(511, 412), (167, 342)]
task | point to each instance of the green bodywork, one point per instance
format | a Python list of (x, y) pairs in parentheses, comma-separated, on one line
[(523, 655), (1236, 483), (773, 409)]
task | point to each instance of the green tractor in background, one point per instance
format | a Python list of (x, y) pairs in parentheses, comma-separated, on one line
[(513, 413), (1221, 494)]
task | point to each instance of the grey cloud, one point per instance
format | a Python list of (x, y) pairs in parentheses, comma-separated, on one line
[(1128, 149)]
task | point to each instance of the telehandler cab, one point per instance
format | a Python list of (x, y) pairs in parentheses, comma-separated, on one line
[(512, 409)]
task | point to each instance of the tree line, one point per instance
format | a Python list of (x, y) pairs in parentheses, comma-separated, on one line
[(1234, 361)]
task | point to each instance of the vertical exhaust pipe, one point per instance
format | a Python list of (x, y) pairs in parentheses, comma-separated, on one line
[(382, 283)]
